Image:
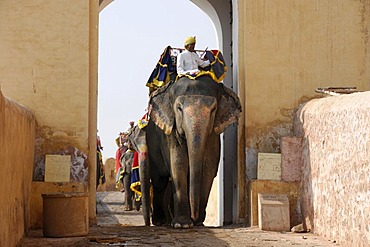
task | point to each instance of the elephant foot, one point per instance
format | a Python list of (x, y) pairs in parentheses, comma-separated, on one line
[(199, 222), (137, 206), (182, 223), (158, 222)]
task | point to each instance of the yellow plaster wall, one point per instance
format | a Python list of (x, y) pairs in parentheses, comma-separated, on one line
[(48, 63), (45, 66), (17, 143), (288, 48), (45, 56)]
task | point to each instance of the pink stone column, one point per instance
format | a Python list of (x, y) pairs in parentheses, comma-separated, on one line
[(291, 158)]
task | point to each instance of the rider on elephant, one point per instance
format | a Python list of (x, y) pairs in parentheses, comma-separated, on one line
[(188, 61)]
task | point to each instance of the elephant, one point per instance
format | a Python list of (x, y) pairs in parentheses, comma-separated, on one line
[(137, 138), (126, 162), (182, 137)]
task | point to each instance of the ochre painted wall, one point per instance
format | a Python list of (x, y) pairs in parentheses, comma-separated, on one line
[(48, 63), (287, 49), (17, 142)]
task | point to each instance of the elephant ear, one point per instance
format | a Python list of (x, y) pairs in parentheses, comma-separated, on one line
[(161, 112), (228, 111)]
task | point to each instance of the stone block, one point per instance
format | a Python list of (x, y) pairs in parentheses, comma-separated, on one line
[(269, 166), (273, 212), (291, 189), (35, 206), (110, 176), (291, 158), (57, 168)]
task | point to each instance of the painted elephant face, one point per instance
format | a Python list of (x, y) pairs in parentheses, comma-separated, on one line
[(137, 139), (169, 103)]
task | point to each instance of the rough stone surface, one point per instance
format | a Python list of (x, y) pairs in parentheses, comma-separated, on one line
[(291, 158), (126, 228), (17, 134), (273, 212), (110, 176), (336, 168), (291, 189)]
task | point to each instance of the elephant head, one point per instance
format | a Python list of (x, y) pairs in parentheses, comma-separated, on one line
[(163, 102), (193, 113)]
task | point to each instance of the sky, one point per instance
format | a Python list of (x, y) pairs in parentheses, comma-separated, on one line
[(132, 36)]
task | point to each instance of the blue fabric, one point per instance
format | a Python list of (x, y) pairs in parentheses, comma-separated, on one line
[(135, 177), (218, 66), (160, 74)]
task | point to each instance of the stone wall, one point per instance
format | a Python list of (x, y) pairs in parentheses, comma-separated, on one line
[(17, 143), (110, 176), (48, 63), (336, 167)]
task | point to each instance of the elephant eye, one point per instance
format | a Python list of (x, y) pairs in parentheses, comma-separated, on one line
[(179, 108)]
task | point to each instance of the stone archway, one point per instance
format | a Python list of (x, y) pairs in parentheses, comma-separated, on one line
[(222, 20)]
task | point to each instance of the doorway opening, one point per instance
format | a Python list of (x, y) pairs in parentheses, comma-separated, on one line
[(131, 40)]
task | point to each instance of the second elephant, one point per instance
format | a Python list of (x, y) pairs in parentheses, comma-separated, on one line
[(126, 161)]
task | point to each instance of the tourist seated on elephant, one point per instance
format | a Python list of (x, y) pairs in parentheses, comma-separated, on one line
[(175, 63), (188, 61)]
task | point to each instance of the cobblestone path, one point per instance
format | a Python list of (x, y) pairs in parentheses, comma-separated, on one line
[(116, 227)]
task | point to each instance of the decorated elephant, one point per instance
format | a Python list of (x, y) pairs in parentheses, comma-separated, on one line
[(183, 141), (137, 138), (126, 162)]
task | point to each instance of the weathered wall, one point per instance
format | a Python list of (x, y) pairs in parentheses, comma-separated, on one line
[(48, 63), (336, 167), (17, 146), (110, 176), (44, 65), (288, 48)]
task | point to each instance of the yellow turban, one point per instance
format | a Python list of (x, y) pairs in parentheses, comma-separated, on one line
[(189, 40)]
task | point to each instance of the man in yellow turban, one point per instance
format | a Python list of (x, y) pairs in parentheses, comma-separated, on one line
[(188, 61)]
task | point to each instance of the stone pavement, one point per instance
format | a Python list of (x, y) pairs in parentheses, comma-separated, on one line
[(116, 227)]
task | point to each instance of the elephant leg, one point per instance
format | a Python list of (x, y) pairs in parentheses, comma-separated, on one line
[(159, 187), (211, 161), (128, 192), (168, 202), (179, 171), (205, 191)]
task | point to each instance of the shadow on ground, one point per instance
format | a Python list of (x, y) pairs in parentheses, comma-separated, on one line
[(116, 227)]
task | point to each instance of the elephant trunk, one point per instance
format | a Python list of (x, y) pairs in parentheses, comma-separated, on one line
[(195, 176), (197, 125)]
